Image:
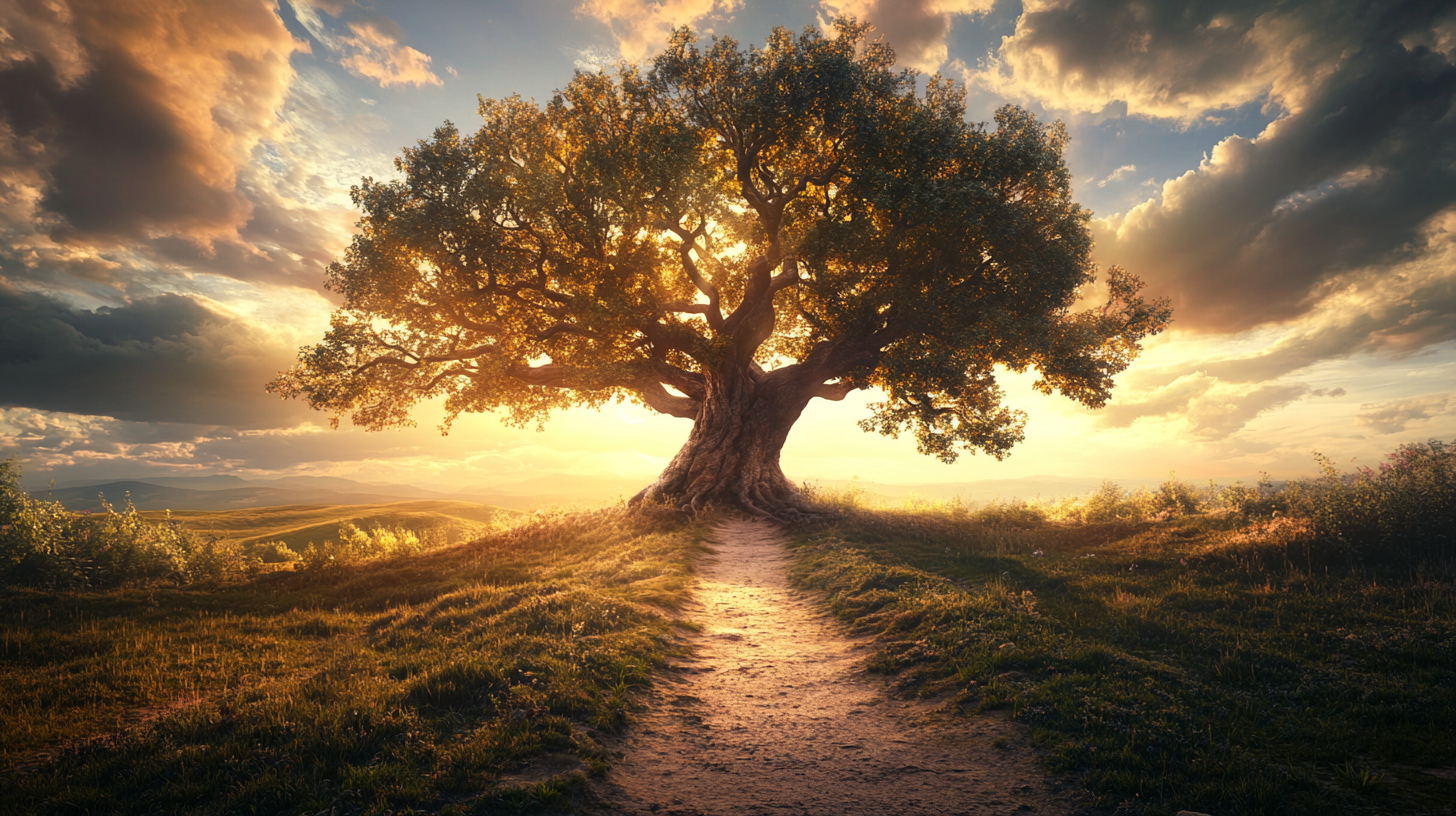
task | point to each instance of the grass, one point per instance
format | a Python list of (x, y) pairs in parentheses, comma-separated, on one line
[(297, 526), (390, 685), (1237, 650), (1207, 662)]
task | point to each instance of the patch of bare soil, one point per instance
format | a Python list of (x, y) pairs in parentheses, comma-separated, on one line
[(776, 715)]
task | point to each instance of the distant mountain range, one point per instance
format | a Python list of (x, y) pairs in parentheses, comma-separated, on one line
[(233, 492)]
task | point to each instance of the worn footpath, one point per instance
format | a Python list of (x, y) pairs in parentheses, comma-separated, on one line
[(776, 715)]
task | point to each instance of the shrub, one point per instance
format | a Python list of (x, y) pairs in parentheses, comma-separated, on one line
[(270, 552), (42, 543), (1013, 513), (1405, 510), (1176, 498), (355, 545)]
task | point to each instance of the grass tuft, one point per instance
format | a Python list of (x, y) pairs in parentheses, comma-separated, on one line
[(1205, 660), (407, 682)]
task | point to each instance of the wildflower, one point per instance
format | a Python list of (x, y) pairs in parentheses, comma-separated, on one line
[(1037, 552)]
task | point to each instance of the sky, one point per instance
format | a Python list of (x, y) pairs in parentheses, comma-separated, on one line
[(175, 175)]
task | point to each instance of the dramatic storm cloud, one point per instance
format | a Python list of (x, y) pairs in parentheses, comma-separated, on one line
[(162, 359), (125, 121)]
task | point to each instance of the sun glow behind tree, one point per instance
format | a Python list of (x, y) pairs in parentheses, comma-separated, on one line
[(725, 238)]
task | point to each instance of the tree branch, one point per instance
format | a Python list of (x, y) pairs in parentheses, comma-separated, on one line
[(832, 391), (714, 311), (659, 400)]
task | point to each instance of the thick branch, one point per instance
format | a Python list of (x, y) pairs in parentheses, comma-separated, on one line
[(658, 399), (650, 388), (832, 391), (689, 242)]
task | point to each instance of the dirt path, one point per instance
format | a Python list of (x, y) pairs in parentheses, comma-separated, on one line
[(776, 716)]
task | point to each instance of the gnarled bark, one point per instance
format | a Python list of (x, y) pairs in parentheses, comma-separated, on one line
[(731, 457)]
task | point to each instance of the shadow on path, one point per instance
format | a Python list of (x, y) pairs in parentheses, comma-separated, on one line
[(775, 715)]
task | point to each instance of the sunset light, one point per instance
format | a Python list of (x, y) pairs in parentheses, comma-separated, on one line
[(722, 407)]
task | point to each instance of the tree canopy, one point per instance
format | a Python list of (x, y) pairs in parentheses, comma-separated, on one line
[(724, 236)]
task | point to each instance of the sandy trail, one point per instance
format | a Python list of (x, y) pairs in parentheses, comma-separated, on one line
[(775, 715)]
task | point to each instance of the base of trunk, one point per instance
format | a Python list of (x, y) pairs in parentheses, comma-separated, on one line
[(731, 458), (764, 495)]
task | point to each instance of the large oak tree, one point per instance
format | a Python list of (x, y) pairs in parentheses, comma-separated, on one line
[(723, 238)]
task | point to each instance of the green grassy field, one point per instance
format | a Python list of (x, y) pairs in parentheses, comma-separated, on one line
[(1193, 663), (1232, 651), (296, 526), (392, 684)]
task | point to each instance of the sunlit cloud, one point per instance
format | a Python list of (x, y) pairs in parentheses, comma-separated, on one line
[(1399, 415), (371, 49), (916, 29), (641, 27), (378, 56), (127, 140), (163, 359)]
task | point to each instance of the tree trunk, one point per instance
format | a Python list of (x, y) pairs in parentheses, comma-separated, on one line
[(731, 457)]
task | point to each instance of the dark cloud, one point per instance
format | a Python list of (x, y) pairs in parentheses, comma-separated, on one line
[(145, 111), (164, 359), (1349, 180), (1395, 312), (1350, 183), (122, 162)]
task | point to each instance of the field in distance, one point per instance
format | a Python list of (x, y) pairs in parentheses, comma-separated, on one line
[(298, 525)]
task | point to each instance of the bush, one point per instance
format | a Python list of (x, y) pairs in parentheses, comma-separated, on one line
[(1405, 510), (271, 552), (1176, 498), (355, 545), (42, 543)]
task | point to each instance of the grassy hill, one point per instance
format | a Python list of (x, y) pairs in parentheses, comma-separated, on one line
[(1245, 651), (397, 684), (298, 525)]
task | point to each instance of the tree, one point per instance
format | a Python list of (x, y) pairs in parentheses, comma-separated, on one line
[(725, 237)]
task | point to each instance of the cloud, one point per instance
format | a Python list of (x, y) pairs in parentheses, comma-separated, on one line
[(641, 27), (163, 359), (1394, 310), (1117, 175), (916, 29), (1162, 401), (372, 48), (127, 168), (377, 55), (105, 135), (1182, 62), (1219, 414), (1357, 179), (1211, 408), (1398, 415)]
